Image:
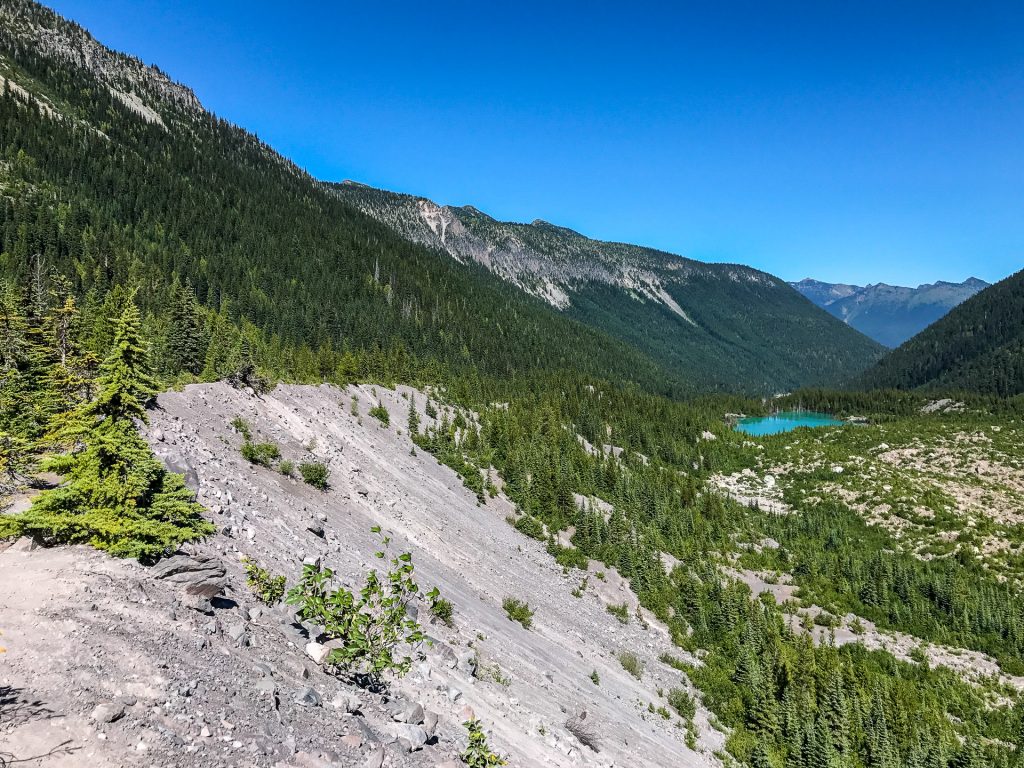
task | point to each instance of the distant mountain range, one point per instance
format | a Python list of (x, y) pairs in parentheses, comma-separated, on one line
[(978, 346), (723, 326), (889, 314)]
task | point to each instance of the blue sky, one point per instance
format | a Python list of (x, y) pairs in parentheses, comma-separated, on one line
[(856, 142)]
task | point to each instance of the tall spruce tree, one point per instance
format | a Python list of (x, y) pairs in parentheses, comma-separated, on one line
[(118, 496), (186, 345)]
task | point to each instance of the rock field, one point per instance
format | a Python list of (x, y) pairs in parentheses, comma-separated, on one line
[(109, 663)]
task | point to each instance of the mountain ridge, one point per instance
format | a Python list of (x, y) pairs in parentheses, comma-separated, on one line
[(977, 346), (890, 314), (704, 316)]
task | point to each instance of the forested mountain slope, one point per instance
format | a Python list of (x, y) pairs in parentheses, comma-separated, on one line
[(978, 346), (736, 326), (112, 175), (889, 314)]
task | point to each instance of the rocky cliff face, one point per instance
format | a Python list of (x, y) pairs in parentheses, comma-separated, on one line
[(145, 89), (545, 260)]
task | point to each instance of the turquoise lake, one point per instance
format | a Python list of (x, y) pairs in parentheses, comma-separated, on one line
[(785, 421)]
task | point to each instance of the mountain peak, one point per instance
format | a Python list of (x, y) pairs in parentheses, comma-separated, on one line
[(890, 314)]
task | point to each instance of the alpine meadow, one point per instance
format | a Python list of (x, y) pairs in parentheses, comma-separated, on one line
[(297, 473)]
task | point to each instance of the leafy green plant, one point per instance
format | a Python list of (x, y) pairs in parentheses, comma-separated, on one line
[(631, 663), (492, 672), (531, 526), (825, 619), (267, 587), (477, 753), (568, 557), (595, 678), (264, 454), (380, 413), (518, 610), (682, 702), (242, 427), (287, 468), (620, 612), (315, 473), (442, 610), (675, 663), (373, 624), (578, 591)]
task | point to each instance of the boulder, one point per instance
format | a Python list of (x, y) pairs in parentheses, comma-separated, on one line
[(177, 463), (236, 631), (430, 720), (317, 652), (308, 697), (199, 575), (347, 702), (107, 712), (406, 712), (410, 737)]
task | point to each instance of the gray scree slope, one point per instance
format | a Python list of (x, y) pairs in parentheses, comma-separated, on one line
[(232, 688)]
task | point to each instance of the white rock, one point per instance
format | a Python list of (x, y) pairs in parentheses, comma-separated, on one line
[(317, 652)]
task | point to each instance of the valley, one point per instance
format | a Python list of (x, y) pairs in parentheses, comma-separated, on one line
[(296, 474)]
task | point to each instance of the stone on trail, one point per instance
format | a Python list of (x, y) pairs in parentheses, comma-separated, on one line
[(200, 575), (308, 697), (107, 712)]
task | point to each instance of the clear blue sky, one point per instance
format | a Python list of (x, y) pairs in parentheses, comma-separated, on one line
[(857, 142)]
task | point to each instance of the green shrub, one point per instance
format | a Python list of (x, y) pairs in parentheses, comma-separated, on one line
[(373, 623), (569, 557), (242, 427), (315, 473), (620, 612), (443, 610), (631, 663), (264, 454), (595, 678), (517, 610), (287, 467), (267, 587), (919, 655), (677, 664), (531, 526), (380, 413), (682, 702), (10, 527), (578, 591), (478, 754), (825, 619)]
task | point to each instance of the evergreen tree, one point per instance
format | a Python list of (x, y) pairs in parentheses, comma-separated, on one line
[(186, 343), (117, 495)]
